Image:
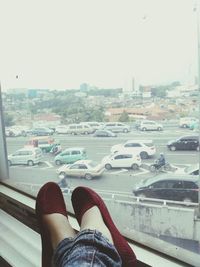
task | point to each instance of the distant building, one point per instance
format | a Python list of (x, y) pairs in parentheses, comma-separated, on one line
[(182, 90), (17, 91), (152, 112)]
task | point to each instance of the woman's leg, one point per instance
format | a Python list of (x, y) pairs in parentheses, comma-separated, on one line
[(52, 220), (91, 212), (93, 220), (59, 228)]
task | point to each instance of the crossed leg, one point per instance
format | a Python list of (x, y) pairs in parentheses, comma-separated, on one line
[(60, 228)]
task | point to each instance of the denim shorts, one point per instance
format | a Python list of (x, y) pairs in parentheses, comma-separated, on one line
[(88, 249)]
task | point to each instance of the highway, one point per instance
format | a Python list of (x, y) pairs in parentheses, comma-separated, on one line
[(117, 180)]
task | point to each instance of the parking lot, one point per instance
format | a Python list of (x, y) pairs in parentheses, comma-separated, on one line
[(118, 180)]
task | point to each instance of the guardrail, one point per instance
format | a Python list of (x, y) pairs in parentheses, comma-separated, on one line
[(113, 195)]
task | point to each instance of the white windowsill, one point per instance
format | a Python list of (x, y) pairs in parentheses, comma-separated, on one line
[(21, 245)]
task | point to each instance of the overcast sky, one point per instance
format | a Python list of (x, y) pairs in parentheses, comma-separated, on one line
[(62, 43)]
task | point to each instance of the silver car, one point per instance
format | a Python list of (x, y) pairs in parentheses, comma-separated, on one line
[(117, 127), (29, 156)]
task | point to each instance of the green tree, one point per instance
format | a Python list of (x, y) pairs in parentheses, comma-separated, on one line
[(124, 117), (159, 91), (8, 120)]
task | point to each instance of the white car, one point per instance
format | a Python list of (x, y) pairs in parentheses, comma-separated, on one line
[(150, 126), (87, 169), (29, 156), (13, 131), (144, 148), (61, 129), (122, 159), (93, 124), (186, 121)]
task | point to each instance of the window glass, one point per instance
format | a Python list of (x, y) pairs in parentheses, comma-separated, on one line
[(127, 156), (75, 152), (82, 166), (75, 166), (65, 154), (119, 157), (126, 66), (132, 145), (177, 184), (161, 184), (190, 185)]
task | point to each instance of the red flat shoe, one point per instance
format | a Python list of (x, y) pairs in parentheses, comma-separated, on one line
[(84, 198), (49, 200)]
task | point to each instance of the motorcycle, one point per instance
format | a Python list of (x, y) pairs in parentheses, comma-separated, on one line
[(56, 149), (164, 168)]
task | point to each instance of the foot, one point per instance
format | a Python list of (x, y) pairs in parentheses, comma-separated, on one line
[(58, 227), (93, 220), (52, 219), (87, 205)]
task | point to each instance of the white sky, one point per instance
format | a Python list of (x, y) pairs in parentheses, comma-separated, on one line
[(63, 43)]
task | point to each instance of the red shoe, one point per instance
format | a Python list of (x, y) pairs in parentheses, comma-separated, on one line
[(83, 198), (49, 200)]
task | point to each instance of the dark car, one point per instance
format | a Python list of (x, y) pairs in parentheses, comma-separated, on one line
[(104, 133), (184, 143), (177, 188), (42, 131)]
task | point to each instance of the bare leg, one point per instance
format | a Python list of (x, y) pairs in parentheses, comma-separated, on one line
[(93, 220), (59, 227)]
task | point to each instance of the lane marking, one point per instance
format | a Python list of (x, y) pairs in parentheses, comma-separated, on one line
[(49, 164), (140, 173), (188, 154), (120, 171)]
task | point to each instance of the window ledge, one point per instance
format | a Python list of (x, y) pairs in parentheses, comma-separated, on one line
[(20, 242)]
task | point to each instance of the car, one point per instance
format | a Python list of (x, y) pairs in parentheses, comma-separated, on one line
[(28, 156), (122, 159), (87, 169), (70, 155), (93, 124), (45, 143), (186, 121), (150, 126), (145, 148), (117, 127), (192, 169), (61, 129), (194, 125), (13, 131), (170, 187), (104, 133), (184, 143), (41, 131), (79, 129)]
